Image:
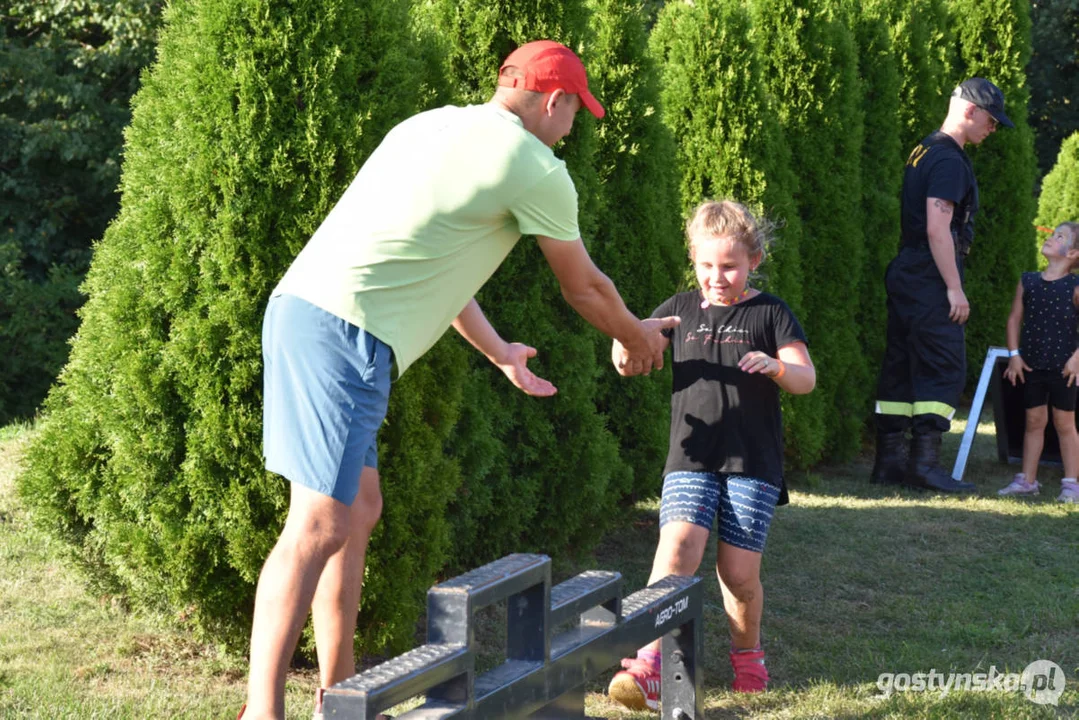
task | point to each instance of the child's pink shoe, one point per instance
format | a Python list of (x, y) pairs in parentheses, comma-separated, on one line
[(750, 675), (1020, 486), (1069, 492), (636, 686)]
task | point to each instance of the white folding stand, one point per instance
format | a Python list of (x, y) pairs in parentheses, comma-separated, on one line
[(976, 410)]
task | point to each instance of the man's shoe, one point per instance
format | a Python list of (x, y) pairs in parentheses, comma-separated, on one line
[(924, 470), (890, 464), (636, 686)]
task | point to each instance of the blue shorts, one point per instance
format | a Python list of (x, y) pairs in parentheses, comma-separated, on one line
[(745, 505), (326, 386)]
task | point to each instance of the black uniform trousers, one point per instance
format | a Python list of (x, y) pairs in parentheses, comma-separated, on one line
[(924, 367)]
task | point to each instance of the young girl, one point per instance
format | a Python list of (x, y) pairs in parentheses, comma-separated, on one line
[(734, 350), (1049, 300)]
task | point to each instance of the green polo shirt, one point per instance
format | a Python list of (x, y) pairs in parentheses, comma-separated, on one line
[(428, 219)]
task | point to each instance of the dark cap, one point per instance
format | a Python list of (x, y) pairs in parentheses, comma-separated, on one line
[(985, 95)]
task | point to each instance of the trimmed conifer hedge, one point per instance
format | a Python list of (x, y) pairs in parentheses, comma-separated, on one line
[(246, 131), (994, 43), (1059, 199), (810, 68), (925, 51), (1060, 189), (882, 175), (638, 237)]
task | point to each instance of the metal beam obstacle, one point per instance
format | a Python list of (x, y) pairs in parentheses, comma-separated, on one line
[(557, 639)]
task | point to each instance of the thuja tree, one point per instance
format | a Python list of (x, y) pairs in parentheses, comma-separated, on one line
[(1059, 199), (638, 236), (882, 168), (246, 131), (924, 50), (994, 42), (536, 473), (811, 68), (730, 145), (67, 73)]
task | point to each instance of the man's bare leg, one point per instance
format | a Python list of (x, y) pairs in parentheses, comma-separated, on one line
[(337, 598), (317, 526)]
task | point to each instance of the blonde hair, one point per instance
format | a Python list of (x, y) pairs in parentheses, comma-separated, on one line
[(731, 220)]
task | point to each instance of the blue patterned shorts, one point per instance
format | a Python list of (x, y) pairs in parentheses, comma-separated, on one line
[(745, 505)]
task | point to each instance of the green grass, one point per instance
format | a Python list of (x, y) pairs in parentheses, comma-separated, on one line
[(66, 653), (858, 581)]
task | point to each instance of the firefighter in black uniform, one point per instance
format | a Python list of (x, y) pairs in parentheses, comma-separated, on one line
[(924, 366)]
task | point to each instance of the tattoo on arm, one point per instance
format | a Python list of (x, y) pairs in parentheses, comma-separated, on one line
[(943, 205)]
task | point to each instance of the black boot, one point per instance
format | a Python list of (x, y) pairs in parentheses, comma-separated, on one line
[(890, 466), (924, 470)]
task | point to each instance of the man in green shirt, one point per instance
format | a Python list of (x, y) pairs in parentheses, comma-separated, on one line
[(427, 220)]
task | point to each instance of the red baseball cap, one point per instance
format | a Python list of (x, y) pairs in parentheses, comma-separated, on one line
[(548, 66)]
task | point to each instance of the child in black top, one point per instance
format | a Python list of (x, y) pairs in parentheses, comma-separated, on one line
[(734, 350), (1045, 305)]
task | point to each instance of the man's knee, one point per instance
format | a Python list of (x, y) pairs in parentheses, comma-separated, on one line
[(316, 523), (367, 507)]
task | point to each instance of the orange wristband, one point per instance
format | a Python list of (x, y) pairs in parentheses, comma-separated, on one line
[(782, 370)]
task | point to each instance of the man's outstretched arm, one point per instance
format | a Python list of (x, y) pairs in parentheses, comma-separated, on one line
[(595, 298)]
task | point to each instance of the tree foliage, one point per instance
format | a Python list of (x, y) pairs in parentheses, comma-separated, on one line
[(811, 70), (248, 128), (924, 47), (67, 73), (882, 172), (1059, 199), (638, 237), (994, 42), (1053, 76)]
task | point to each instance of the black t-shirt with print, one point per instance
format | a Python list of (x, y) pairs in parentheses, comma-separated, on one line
[(938, 168), (725, 420), (1049, 321)]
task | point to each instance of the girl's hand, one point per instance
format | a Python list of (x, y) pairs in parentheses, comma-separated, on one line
[(757, 362), (1016, 368), (1071, 370)]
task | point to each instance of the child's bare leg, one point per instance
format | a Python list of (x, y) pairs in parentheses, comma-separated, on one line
[(739, 574), (680, 551), (1034, 440), (1064, 422)]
